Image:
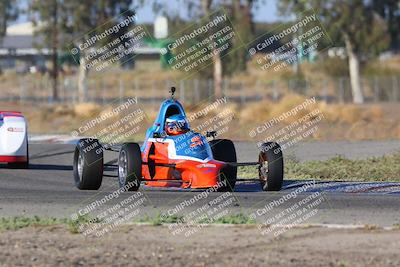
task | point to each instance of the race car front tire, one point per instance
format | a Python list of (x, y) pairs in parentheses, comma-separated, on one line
[(224, 150), (130, 167), (88, 164), (271, 167)]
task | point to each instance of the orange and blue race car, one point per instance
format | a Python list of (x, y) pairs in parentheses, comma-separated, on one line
[(172, 155)]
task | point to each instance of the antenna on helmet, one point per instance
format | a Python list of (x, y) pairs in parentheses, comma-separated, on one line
[(172, 92)]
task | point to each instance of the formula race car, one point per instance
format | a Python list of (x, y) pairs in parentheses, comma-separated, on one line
[(13, 139), (172, 155)]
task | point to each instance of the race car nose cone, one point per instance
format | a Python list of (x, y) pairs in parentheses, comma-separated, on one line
[(13, 136)]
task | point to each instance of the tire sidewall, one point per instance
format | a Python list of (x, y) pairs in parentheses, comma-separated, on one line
[(134, 166), (93, 164), (273, 153), (224, 150)]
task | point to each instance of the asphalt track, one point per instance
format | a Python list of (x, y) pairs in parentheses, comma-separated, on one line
[(47, 188)]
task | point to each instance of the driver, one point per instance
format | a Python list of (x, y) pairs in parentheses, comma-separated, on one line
[(176, 125)]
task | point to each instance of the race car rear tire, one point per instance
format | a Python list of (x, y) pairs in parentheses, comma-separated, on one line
[(224, 150), (271, 166), (130, 167), (88, 164)]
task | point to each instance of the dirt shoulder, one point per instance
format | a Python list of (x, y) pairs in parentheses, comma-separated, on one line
[(212, 246)]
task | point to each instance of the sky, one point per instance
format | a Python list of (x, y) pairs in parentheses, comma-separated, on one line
[(266, 12)]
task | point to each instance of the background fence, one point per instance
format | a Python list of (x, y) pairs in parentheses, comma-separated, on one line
[(38, 90)]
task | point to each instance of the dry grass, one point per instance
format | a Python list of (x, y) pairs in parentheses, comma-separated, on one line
[(333, 113), (270, 109), (349, 113), (86, 110), (340, 121)]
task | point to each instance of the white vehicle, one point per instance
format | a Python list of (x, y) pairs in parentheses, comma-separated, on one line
[(13, 139)]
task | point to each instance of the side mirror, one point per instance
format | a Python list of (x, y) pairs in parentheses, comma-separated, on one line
[(212, 134), (159, 135)]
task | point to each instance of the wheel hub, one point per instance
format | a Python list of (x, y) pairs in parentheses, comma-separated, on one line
[(263, 168), (122, 168), (81, 162)]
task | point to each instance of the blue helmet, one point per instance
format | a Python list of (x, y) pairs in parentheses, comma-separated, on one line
[(176, 124)]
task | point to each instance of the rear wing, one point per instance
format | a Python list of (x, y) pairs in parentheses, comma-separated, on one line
[(10, 114)]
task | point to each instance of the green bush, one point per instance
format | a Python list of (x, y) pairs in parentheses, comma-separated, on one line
[(339, 168), (18, 222)]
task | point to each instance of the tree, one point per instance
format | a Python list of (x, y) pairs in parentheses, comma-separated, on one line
[(217, 62), (353, 23), (242, 19), (205, 7), (89, 18), (48, 13), (239, 13), (389, 10), (8, 12)]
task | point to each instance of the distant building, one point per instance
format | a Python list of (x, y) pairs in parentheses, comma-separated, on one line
[(24, 52), (19, 50)]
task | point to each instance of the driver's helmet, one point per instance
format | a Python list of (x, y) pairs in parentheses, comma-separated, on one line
[(176, 124)]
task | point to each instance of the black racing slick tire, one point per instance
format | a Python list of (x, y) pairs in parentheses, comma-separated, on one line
[(271, 166), (224, 150), (130, 167), (88, 164)]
